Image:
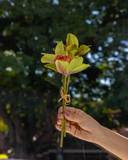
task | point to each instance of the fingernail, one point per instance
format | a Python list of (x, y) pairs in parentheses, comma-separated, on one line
[(66, 113), (58, 115)]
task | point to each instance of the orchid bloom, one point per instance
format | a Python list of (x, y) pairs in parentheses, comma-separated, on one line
[(66, 60), (72, 46)]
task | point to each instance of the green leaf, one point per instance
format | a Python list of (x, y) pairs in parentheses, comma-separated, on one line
[(54, 81)]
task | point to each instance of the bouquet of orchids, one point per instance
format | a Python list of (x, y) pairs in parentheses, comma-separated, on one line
[(67, 60)]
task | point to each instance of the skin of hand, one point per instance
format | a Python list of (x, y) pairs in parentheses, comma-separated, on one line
[(79, 124), (84, 127)]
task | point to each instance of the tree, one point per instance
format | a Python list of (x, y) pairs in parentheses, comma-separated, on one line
[(28, 28)]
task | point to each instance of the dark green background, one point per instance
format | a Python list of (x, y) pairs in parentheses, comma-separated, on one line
[(28, 103)]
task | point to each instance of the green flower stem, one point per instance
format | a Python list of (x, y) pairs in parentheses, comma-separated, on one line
[(63, 125), (64, 105), (67, 84), (63, 132), (61, 142)]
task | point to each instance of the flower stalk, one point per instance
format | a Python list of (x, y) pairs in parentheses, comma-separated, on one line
[(63, 125)]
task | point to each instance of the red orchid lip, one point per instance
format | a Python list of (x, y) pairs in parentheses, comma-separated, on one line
[(63, 58)]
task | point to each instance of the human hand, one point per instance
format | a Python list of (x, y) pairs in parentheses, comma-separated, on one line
[(79, 124)]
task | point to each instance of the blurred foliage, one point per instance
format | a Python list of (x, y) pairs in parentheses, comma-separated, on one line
[(3, 126), (28, 28)]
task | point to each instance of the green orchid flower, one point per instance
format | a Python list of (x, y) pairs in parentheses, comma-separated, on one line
[(66, 68), (72, 46), (66, 60), (63, 63)]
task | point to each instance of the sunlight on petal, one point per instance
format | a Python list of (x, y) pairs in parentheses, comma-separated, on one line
[(71, 39), (79, 68), (82, 50), (61, 66), (51, 66), (59, 48), (48, 58), (74, 63)]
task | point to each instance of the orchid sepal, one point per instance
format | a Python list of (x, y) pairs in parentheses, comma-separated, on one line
[(48, 58), (72, 53), (59, 48), (57, 42), (72, 39), (65, 53), (74, 66), (61, 66), (74, 63), (79, 68), (71, 47), (51, 66), (82, 50)]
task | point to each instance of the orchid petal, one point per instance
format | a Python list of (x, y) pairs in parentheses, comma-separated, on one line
[(61, 66), (82, 50), (71, 47), (48, 58), (79, 68), (74, 63), (59, 48), (71, 39), (51, 66), (72, 53), (65, 53), (44, 53), (57, 42)]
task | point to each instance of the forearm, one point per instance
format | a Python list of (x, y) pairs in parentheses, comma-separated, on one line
[(113, 142)]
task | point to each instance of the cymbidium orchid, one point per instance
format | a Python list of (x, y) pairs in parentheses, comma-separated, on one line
[(64, 64), (67, 60)]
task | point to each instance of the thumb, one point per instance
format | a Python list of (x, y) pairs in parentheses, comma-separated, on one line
[(74, 117)]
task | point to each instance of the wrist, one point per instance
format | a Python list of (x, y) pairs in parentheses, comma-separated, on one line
[(99, 135)]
